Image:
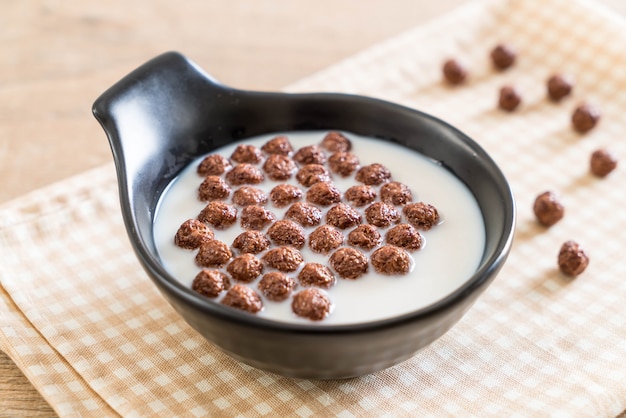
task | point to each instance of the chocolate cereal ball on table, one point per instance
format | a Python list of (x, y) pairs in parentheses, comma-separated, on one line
[(585, 117), (503, 56), (245, 268), (276, 286), (421, 215), (509, 98), (305, 214), (454, 72), (244, 174), (286, 259), (395, 193), (247, 154), (210, 283), (310, 174), (335, 142), (349, 263), (192, 233), (572, 259), (365, 236), (360, 195), (548, 209), (391, 260), (343, 163), (286, 232), (602, 163), (285, 194), (559, 86), (218, 214), (405, 236), (213, 165), (278, 145), (373, 174), (311, 303), (323, 194), (279, 167), (248, 195), (252, 242), (242, 297), (343, 216), (213, 253), (315, 274), (311, 154), (256, 217), (213, 188), (381, 214), (325, 239)]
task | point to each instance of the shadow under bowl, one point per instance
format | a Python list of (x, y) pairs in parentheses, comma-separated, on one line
[(168, 112)]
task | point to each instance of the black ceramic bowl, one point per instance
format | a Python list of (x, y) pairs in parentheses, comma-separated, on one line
[(168, 112)]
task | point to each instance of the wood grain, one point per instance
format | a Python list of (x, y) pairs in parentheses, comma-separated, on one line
[(57, 57)]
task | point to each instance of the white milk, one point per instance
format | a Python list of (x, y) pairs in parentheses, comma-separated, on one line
[(451, 253)]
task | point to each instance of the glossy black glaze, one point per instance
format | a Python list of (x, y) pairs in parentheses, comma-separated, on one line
[(168, 112)]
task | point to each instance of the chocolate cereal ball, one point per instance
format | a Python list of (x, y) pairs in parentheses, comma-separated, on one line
[(278, 145), (365, 236), (284, 258), (405, 236), (343, 163), (454, 72), (279, 167), (256, 217), (242, 297), (503, 56), (548, 209), (284, 195), (210, 283), (276, 286), (311, 154), (213, 253), (315, 274), (391, 260), (247, 154), (349, 263), (585, 117), (373, 174), (381, 214), (572, 259), (192, 233), (325, 238), (602, 162), (323, 194), (360, 195), (310, 174), (421, 215), (213, 165), (213, 188), (248, 195), (287, 232), (305, 214), (244, 174), (396, 193), (219, 214), (336, 142), (311, 303), (245, 268), (252, 242), (343, 216), (559, 86), (509, 98)]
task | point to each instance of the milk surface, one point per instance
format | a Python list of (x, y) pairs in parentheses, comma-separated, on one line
[(451, 253)]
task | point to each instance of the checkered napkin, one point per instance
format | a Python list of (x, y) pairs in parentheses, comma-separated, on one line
[(85, 324)]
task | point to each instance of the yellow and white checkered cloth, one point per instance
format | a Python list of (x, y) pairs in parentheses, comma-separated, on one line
[(85, 324)]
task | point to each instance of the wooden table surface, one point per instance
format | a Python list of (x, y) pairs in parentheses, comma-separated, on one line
[(57, 57)]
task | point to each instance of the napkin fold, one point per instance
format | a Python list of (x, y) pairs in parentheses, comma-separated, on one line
[(90, 331)]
